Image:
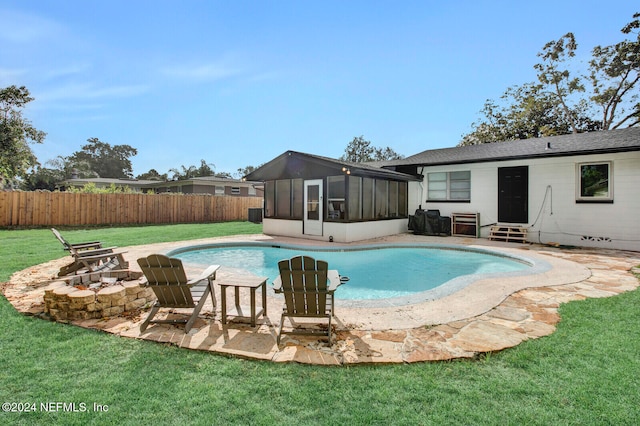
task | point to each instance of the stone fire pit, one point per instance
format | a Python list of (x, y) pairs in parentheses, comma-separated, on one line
[(112, 296)]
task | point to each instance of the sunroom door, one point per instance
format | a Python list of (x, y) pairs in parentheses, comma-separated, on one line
[(312, 224)]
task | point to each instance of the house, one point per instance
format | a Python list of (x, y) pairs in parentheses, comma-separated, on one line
[(314, 197), (198, 185), (578, 189), (133, 184), (209, 185)]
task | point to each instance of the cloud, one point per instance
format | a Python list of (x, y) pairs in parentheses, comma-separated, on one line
[(66, 71), (8, 76), (19, 27), (91, 92), (199, 73)]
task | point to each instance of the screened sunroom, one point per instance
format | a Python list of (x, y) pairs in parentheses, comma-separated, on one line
[(316, 197)]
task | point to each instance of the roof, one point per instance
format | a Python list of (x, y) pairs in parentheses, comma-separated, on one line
[(607, 141), (293, 164), (204, 181), (107, 181)]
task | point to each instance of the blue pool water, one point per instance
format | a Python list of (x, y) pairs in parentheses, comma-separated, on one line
[(375, 272)]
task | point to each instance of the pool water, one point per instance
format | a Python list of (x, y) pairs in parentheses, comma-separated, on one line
[(375, 272)]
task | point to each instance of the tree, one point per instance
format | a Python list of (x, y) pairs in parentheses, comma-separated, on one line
[(386, 154), (243, 171), (41, 178), (153, 174), (92, 188), (526, 111), (558, 102), (16, 133), (614, 73), (105, 160), (205, 169), (360, 150), (559, 80), (70, 168)]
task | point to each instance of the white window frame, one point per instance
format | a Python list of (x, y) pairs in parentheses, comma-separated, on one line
[(580, 197), (448, 189)]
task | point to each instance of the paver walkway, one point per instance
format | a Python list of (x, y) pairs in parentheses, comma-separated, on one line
[(486, 316)]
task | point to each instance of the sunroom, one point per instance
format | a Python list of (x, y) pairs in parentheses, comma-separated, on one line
[(314, 197)]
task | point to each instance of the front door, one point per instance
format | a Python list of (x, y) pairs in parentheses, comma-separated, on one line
[(513, 194), (312, 224)]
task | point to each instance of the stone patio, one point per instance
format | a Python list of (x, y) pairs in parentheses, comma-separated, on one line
[(486, 316)]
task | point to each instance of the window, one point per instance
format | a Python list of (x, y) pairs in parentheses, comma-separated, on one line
[(297, 198), (283, 198), (382, 199), (269, 199), (403, 206), (219, 190), (449, 186), (349, 198), (393, 199), (367, 198), (235, 190), (595, 182), (335, 197), (355, 198)]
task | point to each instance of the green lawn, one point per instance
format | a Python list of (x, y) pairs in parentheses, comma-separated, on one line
[(587, 372)]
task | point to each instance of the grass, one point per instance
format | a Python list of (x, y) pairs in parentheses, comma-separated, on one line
[(585, 373)]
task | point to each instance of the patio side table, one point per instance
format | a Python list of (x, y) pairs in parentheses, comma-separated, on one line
[(241, 281)]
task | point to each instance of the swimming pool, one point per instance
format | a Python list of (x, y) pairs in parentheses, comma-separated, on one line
[(396, 273)]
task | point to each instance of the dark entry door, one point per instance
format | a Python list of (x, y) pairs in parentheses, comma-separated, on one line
[(513, 194)]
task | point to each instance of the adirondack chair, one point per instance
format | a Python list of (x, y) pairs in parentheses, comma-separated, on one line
[(90, 257), (78, 246), (308, 286), (168, 280)]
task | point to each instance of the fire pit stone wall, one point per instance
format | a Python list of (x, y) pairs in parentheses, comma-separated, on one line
[(64, 302)]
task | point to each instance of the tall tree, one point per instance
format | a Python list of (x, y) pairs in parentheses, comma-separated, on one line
[(559, 102), (526, 111), (41, 178), (16, 133), (152, 174), (614, 76), (359, 150), (105, 160), (189, 172), (553, 73), (386, 154), (70, 168), (243, 171)]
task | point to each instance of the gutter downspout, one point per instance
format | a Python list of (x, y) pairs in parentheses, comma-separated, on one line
[(422, 194)]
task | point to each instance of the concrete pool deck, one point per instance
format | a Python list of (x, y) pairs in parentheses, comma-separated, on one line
[(486, 316)]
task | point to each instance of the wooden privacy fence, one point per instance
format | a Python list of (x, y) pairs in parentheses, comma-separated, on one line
[(63, 208)]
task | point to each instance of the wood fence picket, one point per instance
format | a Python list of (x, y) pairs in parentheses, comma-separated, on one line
[(42, 208)]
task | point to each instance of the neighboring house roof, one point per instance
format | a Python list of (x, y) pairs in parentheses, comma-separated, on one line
[(620, 140), (107, 182), (293, 164), (134, 183), (204, 181)]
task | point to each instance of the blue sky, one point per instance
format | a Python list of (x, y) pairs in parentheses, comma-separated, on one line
[(237, 83)]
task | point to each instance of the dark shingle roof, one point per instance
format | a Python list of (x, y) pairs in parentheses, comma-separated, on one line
[(293, 164), (574, 144)]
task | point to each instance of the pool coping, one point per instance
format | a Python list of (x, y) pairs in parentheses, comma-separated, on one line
[(503, 312), (536, 265)]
